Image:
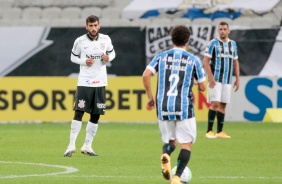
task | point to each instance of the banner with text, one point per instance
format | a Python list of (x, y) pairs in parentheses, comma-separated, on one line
[(51, 99), (258, 49)]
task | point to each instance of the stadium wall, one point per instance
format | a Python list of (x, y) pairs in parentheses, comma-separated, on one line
[(37, 83), (42, 51), (45, 99)]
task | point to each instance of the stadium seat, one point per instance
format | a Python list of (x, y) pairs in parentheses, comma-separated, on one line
[(37, 3), (218, 20), (111, 12), (104, 22), (112, 9), (31, 13), (243, 21), (77, 22), (269, 15), (278, 12), (120, 3), (6, 4), (12, 13), (140, 22), (85, 12), (202, 21), (171, 14), (94, 3), (160, 21), (22, 3), (60, 22), (80, 3), (51, 13), (120, 23), (71, 13), (35, 22), (6, 22), (68, 3), (270, 20), (183, 21), (102, 3)]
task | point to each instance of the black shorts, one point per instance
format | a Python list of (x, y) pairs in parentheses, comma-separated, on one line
[(90, 99)]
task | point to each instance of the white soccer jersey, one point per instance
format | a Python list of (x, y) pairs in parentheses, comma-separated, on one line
[(85, 47)]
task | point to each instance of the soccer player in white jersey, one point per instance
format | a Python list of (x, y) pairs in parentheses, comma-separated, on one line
[(220, 59), (92, 52), (176, 70)]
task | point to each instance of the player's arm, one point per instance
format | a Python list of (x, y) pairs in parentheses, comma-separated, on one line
[(110, 53), (208, 71), (76, 59), (237, 74), (109, 56), (75, 55), (147, 74), (202, 86), (199, 76)]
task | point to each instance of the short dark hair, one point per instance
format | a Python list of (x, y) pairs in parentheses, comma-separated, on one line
[(92, 18), (223, 24), (180, 35)]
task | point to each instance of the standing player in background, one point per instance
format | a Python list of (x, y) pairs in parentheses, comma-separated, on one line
[(176, 70), (91, 51), (220, 58)]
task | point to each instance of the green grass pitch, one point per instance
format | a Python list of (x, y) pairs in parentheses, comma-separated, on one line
[(130, 153)]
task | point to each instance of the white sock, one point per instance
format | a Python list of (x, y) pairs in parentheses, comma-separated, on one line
[(91, 130), (75, 129)]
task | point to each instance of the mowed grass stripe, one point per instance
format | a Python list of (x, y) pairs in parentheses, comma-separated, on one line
[(130, 153)]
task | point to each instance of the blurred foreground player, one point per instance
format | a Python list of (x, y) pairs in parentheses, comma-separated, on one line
[(176, 70)]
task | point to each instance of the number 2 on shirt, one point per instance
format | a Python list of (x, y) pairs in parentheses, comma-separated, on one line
[(173, 79)]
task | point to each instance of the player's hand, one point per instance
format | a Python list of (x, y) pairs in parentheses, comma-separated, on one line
[(150, 104), (236, 85), (105, 58), (212, 83), (89, 61)]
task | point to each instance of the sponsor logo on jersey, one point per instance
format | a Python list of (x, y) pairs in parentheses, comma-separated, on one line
[(225, 55), (165, 113), (93, 82), (96, 57), (101, 105), (81, 103)]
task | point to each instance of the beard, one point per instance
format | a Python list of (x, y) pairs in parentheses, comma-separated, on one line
[(223, 36), (93, 34)]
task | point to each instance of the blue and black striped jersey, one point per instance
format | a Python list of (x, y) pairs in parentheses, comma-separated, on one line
[(176, 70), (222, 56)]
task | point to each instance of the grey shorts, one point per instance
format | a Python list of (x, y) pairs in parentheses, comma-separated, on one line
[(90, 99)]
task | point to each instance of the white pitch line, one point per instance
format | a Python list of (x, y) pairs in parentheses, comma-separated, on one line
[(72, 170), (67, 170)]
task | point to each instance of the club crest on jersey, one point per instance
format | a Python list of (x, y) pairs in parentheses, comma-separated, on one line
[(103, 46), (81, 103), (232, 49)]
